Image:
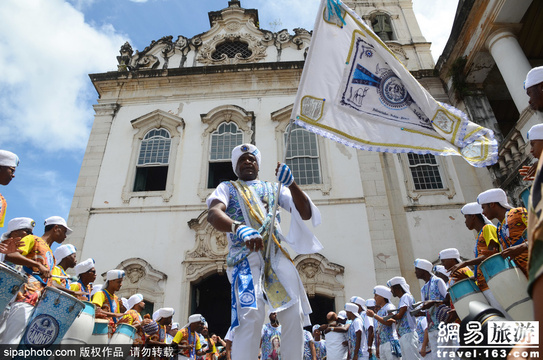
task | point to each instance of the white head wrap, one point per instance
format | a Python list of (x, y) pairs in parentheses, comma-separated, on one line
[(441, 269), (343, 314), (398, 280), (370, 302), (494, 195), (534, 77), (133, 300), (124, 301), (62, 251), (194, 318), (18, 224), (84, 266), (163, 313), (474, 208), (383, 291), (242, 149), (450, 253), (175, 326), (96, 288), (359, 301), (113, 275), (424, 265), (57, 220), (535, 132), (350, 307), (7, 158)]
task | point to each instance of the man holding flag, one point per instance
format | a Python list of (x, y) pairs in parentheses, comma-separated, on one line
[(257, 263)]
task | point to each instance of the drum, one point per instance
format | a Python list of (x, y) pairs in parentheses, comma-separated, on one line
[(462, 292), (10, 282), (124, 335), (54, 314), (100, 332), (508, 285), (81, 330)]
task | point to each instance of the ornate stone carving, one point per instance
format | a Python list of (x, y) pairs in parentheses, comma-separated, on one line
[(147, 62), (320, 276), (398, 50), (258, 50), (233, 26), (134, 273), (124, 60)]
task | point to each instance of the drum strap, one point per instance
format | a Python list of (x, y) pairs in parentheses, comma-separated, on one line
[(84, 289), (110, 304), (67, 284)]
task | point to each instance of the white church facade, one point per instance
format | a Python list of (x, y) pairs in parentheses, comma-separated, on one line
[(166, 121)]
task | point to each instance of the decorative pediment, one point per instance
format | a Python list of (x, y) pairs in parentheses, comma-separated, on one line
[(157, 119), (320, 276)]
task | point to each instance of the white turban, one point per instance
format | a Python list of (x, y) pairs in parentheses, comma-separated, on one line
[(84, 266), (534, 77), (242, 149), (471, 208), (113, 275), (450, 253), (370, 302), (163, 313), (494, 195), (382, 291), (7, 158), (359, 301), (133, 300), (194, 318), (96, 288), (352, 308), (536, 132), (18, 224), (424, 265), (57, 220), (175, 326), (441, 269), (342, 314), (398, 280), (62, 251), (124, 301)]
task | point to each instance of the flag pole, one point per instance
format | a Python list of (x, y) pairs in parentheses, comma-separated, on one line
[(275, 206)]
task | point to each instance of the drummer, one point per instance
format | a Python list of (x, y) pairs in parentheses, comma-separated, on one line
[(35, 256), (64, 260), (8, 163), (512, 232), (107, 303), (187, 338), (133, 317), (18, 228), (442, 273), (86, 273), (449, 258), (163, 318)]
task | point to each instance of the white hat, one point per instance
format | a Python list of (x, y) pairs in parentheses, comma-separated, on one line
[(96, 288), (18, 224), (471, 208), (494, 195), (370, 302), (175, 326), (534, 77), (242, 149), (113, 275), (342, 314), (57, 220), (133, 300), (383, 291), (7, 158), (424, 265), (194, 318), (359, 301), (450, 253), (163, 313), (535, 132), (62, 251), (441, 269), (124, 301), (84, 266), (350, 307), (399, 280)]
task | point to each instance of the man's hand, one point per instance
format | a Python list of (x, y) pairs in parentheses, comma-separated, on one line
[(528, 172), (251, 237), (11, 245), (514, 251), (284, 174), (370, 313), (44, 272)]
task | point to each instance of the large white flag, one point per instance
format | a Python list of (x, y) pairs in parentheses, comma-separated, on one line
[(354, 90)]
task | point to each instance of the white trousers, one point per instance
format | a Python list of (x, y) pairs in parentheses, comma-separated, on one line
[(432, 341), (14, 323), (409, 343), (385, 352)]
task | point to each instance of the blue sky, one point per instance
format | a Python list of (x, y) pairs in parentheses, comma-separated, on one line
[(48, 48)]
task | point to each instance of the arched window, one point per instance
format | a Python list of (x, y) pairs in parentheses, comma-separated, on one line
[(153, 160), (303, 156), (382, 26), (223, 140)]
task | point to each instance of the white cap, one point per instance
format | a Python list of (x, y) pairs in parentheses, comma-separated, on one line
[(96, 288), (194, 318), (62, 251), (113, 275), (441, 269), (424, 265), (242, 149), (471, 208), (124, 301), (84, 266), (133, 300), (175, 326), (351, 307), (383, 291), (163, 313), (494, 195), (450, 253), (18, 224), (57, 220), (7, 158), (534, 77), (342, 314), (359, 301), (399, 280), (370, 302), (535, 132)]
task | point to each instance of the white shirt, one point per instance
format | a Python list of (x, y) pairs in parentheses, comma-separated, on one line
[(334, 345)]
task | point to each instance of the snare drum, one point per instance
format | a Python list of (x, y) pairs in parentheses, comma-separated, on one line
[(124, 335), (81, 329), (508, 285), (54, 314), (10, 282), (462, 293)]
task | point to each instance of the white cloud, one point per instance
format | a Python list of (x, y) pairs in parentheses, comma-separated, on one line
[(46, 53)]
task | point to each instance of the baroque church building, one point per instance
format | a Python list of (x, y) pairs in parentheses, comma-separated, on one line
[(166, 122)]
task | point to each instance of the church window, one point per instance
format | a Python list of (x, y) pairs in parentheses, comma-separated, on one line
[(425, 172), (231, 49), (153, 160), (223, 140), (382, 26), (303, 156)]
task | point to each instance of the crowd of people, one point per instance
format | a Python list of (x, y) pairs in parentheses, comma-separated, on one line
[(263, 275)]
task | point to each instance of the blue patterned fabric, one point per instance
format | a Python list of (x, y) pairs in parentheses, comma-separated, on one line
[(271, 342), (308, 338), (430, 291), (420, 329), (320, 349), (386, 333), (284, 175), (403, 325), (351, 337)]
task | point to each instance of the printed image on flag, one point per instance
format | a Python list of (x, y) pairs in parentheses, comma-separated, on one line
[(354, 90)]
